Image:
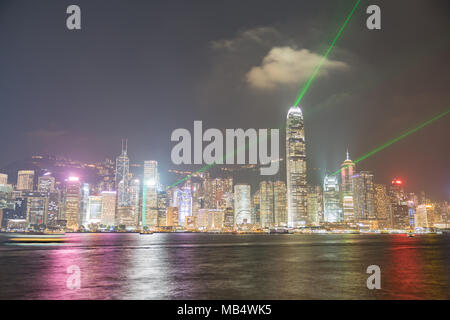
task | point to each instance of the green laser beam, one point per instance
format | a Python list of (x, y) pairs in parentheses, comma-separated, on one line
[(299, 98), (324, 58), (387, 144)]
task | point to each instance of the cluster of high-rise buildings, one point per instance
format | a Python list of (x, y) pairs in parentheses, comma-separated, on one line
[(346, 200)]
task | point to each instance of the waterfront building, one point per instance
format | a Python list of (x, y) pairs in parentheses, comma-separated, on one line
[(72, 197), (331, 202), (347, 173), (25, 180), (108, 216), (242, 206), (296, 168)]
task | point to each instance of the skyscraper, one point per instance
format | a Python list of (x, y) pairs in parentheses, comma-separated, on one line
[(363, 195), (382, 206), (46, 183), (150, 194), (266, 204), (122, 176), (3, 179), (280, 204), (347, 172), (25, 180), (242, 206), (108, 217), (72, 197), (315, 205), (94, 210), (331, 204), (296, 168)]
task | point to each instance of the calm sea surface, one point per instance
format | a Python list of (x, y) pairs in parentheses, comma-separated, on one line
[(207, 266)]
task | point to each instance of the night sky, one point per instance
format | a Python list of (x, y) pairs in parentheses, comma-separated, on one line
[(141, 69)]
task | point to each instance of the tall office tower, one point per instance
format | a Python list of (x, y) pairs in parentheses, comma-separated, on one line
[(399, 215), (315, 205), (331, 204), (46, 183), (441, 215), (382, 206), (228, 219), (134, 192), (242, 206), (37, 208), (72, 197), (85, 191), (3, 179), (94, 211), (54, 209), (150, 194), (197, 196), (163, 204), (172, 217), (364, 193), (108, 217), (25, 180), (424, 216), (347, 172), (184, 204), (412, 202), (296, 168), (280, 203), (256, 210), (122, 176), (214, 190), (266, 204)]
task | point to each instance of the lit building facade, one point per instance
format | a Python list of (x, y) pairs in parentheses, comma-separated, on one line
[(72, 198), (242, 205), (122, 176), (347, 173), (363, 195), (296, 168), (331, 202), (25, 180), (108, 217), (150, 194), (315, 205)]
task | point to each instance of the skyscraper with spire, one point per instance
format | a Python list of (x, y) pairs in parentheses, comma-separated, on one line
[(347, 172), (296, 168), (122, 178)]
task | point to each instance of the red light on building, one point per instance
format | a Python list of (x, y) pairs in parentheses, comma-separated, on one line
[(397, 182)]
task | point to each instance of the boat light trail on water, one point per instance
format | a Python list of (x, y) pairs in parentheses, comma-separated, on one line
[(387, 144), (324, 58)]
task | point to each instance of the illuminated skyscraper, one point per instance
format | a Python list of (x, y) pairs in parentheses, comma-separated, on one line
[(46, 183), (331, 203), (399, 215), (242, 206), (363, 195), (25, 180), (3, 179), (94, 210), (266, 204), (108, 217), (183, 198), (85, 191), (296, 168), (315, 205), (280, 204), (214, 190), (122, 177), (382, 206), (72, 197), (347, 172), (150, 185), (37, 208)]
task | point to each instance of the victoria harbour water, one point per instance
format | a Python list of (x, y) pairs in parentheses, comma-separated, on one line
[(226, 266)]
